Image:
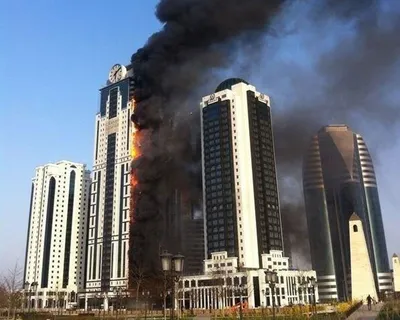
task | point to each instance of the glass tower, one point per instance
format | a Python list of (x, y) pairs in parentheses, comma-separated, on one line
[(339, 180)]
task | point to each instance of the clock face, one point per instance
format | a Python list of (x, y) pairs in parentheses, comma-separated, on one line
[(117, 73)]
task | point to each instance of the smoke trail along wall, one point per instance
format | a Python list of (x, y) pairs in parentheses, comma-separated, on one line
[(196, 37), (135, 153)]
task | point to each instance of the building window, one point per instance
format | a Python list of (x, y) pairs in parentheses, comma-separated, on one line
[(48, 232), (70, 209), (355, 228), (113, 106)]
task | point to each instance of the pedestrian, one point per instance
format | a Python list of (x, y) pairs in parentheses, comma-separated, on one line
[(369, 300)]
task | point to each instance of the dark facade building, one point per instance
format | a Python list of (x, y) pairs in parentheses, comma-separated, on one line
[(183, 231), (240, 195), (339, 180)]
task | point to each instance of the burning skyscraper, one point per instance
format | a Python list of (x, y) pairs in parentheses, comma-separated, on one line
[(122, 236), (170, 69), (109, 219)]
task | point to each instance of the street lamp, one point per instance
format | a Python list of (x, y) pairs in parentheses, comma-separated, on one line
[(30, 287), (172, 266), (271, 277), (313, 281), (117, 292)]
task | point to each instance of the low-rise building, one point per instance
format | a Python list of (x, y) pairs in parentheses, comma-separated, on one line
[(225, 284)]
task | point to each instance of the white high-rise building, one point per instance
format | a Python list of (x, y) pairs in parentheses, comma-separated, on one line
[(108, 238), (56, 240), (241, 203)]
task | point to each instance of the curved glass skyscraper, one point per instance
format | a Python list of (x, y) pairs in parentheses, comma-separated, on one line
[(338, 180)]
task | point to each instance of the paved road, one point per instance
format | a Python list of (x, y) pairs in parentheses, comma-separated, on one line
[(363, 313)]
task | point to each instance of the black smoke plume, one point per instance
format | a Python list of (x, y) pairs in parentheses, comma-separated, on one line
[(198, 36), (346, 80)]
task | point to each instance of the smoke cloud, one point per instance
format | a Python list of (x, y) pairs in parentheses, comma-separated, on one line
[(345, 69), (320, 61), (198, 38)]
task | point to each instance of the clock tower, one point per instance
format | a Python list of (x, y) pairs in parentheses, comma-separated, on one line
[(108, 233)]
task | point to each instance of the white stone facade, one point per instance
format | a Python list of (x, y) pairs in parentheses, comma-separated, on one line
[(247, 232), (362, 278), (56, 244), (396, 273), (109, 218), (220, 285)]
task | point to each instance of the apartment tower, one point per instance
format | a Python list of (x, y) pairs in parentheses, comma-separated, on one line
[(56, 239), (241, 204)]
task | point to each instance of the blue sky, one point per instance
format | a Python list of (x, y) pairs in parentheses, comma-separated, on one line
[(54, 57)]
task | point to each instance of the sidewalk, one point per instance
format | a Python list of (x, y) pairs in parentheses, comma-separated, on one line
[(363, 313), (203, 317)]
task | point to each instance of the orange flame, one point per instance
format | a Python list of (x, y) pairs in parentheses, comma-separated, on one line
[(135, 153)]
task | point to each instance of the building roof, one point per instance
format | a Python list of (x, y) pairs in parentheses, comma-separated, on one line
[(335, 127), (354, 217), (395, 255), (229, 83)]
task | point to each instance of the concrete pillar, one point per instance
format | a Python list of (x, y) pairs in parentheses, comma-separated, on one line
[(86, 302), (362, 278)]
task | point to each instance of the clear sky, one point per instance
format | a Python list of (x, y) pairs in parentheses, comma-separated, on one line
[(54, 56)]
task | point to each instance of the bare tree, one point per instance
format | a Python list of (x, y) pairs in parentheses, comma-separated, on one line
[(3, 295), (224, 287), (12, 289), (137, 278)]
